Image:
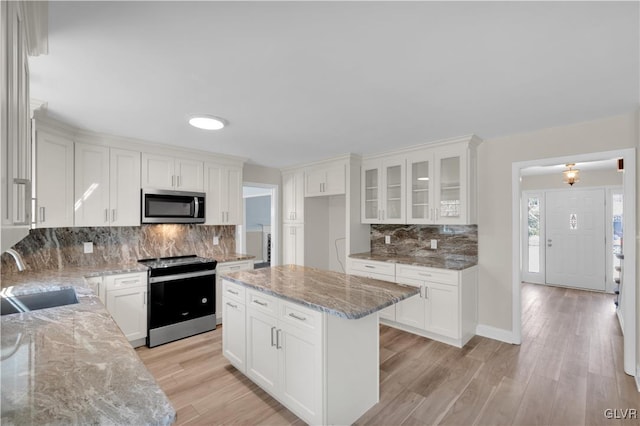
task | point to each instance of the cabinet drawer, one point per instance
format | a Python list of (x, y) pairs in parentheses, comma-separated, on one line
[(428, 274), (383, 268), (225, 268), (116, 282), (375, 276), (262, 302), (300, 316), (233, 291)]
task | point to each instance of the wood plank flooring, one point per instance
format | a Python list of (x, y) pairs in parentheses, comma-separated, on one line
[(567, 371)]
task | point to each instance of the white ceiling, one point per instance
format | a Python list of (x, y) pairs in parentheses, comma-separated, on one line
[(303, 81)]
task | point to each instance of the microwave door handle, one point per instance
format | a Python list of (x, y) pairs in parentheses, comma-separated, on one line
[(197, 207)]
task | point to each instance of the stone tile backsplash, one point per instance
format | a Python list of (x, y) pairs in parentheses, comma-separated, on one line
[(455, 242), (57, 248)]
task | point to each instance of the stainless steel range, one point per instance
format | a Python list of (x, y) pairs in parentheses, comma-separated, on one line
[(181, 297)]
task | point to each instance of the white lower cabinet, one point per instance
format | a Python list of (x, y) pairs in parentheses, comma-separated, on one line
[(445, 309), (126, 301), (225, 268), (384, 271), (321, 367), (234, 330)]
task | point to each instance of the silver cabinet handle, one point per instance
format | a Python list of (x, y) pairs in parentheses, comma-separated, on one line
[(42, 217), (222, 219), (422, 292), (113, 215), (232, 305), (145, 298), (232, 292), (278, 345), (179, 179), (106, 215), (299, 318), (370, 266), (257, 302), (173, 180), (426, 292), (273, 343), (424, 274)]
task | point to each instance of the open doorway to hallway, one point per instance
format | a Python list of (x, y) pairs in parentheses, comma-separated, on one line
[(531, 220), (259, 230)]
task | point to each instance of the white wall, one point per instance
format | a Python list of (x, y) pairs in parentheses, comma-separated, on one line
[(495, 158), (587, 179)]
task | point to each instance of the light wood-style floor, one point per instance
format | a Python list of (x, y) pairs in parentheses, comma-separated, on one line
[(567, 371)]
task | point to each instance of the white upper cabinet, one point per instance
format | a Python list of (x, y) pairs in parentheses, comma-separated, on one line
[(107, 192), (15, 126), (437, 187), (325, 180), (53, 181), (383, 189), (91, 203), (124, 195), (293, 197), (164, 172), (223, 186), (293, 244)]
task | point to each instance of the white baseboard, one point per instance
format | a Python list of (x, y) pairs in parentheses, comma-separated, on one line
[(494, 333)]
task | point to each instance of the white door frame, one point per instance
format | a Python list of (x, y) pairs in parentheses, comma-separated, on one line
[(629, 189), (275, 223)]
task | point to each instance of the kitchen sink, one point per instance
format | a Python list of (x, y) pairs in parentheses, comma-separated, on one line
[(35, 301)]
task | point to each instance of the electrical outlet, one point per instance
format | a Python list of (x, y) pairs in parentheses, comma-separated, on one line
[(434, 244), (216, 241), (387, 239), (88, 247)]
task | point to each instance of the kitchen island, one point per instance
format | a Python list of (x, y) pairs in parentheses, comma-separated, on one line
[(308, 337)]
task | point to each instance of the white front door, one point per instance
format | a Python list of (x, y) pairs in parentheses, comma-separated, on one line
[(575, 238)]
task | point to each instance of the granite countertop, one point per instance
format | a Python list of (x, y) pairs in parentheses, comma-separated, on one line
[(346, 296), (431, 262), (235, 257), (72, 364)]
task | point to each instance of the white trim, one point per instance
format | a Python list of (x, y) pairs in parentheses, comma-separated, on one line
[(629, 217), (495, 333)]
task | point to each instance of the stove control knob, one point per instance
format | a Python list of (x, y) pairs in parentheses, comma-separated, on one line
[(204, 300)]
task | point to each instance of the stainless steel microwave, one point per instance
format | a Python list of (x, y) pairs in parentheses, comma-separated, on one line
[(165, 206)]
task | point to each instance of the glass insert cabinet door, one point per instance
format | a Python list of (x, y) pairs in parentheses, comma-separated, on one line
[(419, 191), (449, 189), (371, 194), (393, 193)]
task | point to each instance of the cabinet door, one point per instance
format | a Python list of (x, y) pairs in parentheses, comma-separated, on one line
[(315, 180), (293, 197), (234, 333), (420, 178), (214, 210), (128, 308), (443, 312), (157, 171), (262, 353), (451, 190), (54, 181), (124, 187), (233, 189), (411, 311), (371, 181), (393, 191), (189, 175), (300, 364), (91, 185), (293, 244)]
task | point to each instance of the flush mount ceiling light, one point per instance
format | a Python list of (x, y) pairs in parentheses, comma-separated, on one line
[(207, 122), (423, 178), (570, 175)]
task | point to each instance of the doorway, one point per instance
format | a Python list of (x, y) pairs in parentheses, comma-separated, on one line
[(258, 235), (627, 306)]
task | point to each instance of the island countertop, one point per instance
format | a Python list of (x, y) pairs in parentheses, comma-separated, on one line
[(72, 364), (346, 296)]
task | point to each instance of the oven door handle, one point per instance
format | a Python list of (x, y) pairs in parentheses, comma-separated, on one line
[(176, 277)]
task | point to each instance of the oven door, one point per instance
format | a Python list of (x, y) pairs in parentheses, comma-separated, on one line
[(177, 298)]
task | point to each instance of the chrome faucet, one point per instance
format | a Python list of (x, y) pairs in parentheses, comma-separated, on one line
[(16, 256)]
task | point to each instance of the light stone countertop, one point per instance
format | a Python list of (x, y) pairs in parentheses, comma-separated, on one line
[(72, 364), (346, 296), (430, 262)]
